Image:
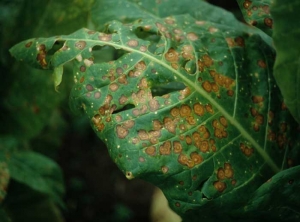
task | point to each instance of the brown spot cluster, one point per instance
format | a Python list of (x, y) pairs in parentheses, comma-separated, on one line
[(151, 136), (187, 52), (41, 56), (258, 119), (172, 56), (236, 42), (205, 62), (247, 151), (190, 161), (122, 130), (222, 80), (224, 174), (279, 137), (202, 140), (219, 127), (139, 68)]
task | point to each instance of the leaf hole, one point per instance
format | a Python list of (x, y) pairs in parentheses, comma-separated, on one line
[(200, 188), (163, 89), (107, 53), (124, 108), (150, 36)]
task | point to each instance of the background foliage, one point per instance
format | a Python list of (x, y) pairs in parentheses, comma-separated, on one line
[(27, 128)]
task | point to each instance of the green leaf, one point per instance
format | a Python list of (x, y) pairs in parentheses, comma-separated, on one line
[(32, 169), (130, 10), (3, 216), (215, 132), (27, 205), (58, 72), (286, 40), (279, 195), (257, 13)]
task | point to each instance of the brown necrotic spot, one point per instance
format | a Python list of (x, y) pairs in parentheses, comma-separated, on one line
[(121, 131), (239, 41), (157, 125), (246, 150), (82, 68), (153, 104), (89, 87), (228, 171), (257, 99), (28, 44), (196, 158), (192, 36), (203, 146), (151, 150), (223, 121), (185, 111), (177, 147), (247, 4), (207, 86), (123, 100), (207, 61), (261, 64), (140, 65), (174, 112), (221, 174), (105, 37), (268, 22), (41, 56), (114, 87), (123, 79), (188, 140), (143, 135), (133, 43), (97, 95), (183, 159), (209, 108), (143, 48), (128, 124), (172, 55), (165, 149), (199, 109), (230, 92), (119, 70), (169, 124), (164, 169), (80, 45), (219, 186)]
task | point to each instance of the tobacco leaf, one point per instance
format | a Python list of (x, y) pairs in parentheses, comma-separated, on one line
[(286, 40), (257, 13), (188, 105)]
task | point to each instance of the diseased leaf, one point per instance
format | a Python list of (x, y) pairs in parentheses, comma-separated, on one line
[(286, 41), (257, 13), (187, 104)]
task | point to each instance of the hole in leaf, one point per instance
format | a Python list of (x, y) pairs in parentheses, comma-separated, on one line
[(107, 53), (56, 46), (163, 89), (200, 188), (152, 37), (126, 107)]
